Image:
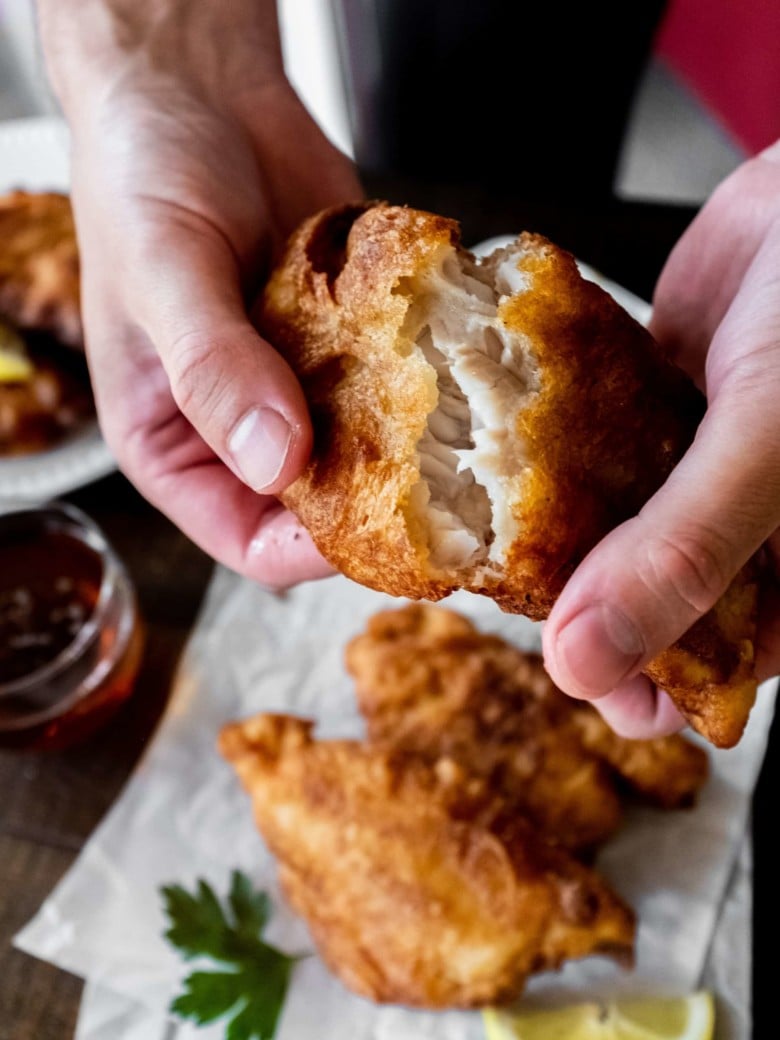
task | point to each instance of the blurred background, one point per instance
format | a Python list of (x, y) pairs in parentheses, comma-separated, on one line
[(684, 112)]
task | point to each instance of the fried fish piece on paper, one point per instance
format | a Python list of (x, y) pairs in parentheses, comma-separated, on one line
[(39, 265), (429, 681), (482, 424), (417, 887)]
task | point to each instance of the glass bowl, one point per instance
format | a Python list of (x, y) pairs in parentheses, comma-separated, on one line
[(71, 638)]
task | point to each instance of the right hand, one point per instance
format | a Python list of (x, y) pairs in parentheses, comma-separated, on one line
[(193, 159), (717, 314)]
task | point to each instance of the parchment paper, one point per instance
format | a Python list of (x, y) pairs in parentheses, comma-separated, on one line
[(183, 816)]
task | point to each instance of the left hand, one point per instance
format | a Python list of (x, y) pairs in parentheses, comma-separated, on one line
[(192, 161)]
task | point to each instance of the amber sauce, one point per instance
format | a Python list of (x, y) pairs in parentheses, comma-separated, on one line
[(49, 587)]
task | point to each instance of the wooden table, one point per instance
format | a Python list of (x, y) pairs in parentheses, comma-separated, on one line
[(50, 805)]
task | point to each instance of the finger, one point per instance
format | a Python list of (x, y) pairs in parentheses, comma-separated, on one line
[(232, 386), (163, 455), (249, 533), (705, 269), (281, 552), (252, 534), (639, 711), (651, 578)]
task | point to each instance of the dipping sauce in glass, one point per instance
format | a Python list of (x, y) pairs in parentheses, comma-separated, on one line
[(70, 636)]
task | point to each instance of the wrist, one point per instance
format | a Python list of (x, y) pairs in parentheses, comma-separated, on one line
[(97, 50)]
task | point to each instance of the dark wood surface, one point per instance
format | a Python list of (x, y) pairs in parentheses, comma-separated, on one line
[(50, 804)]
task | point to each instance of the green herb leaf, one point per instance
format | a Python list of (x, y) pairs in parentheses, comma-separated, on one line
[(252, 991), (251, 910), (208, 995), (198, 925)]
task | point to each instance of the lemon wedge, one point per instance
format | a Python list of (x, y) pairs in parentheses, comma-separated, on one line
[(15, 366), (654, 1018)]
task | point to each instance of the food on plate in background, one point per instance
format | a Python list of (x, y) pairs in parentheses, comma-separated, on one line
[(44, 384), (44, 393), (429, 682), (420, 886), (39, 265), (482, 424)]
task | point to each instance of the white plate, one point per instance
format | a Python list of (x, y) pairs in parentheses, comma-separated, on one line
[(638, 308), (34, 155)]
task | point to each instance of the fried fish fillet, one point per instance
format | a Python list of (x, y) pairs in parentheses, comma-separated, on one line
[(482, 424), (417, 888), (429, 682), (39, 265)]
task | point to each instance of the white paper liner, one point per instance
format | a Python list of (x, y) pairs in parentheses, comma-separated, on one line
[(183, 816)]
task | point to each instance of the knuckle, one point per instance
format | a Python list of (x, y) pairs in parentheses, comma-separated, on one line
[(688, 570), (196, 381)]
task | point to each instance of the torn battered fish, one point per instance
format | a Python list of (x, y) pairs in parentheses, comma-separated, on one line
[(429, 682), (482, 424), (417, 888), (39, 265)]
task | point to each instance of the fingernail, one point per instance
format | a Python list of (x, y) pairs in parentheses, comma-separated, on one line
[(599, 647), (258, 446)]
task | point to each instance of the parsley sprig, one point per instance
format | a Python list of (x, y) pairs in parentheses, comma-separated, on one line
[(252, 987)]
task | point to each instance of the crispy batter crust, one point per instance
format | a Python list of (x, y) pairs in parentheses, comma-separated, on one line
[(429, 682), (39, 265), (368, 393), (417, 888), (709, 672), (610, 420)]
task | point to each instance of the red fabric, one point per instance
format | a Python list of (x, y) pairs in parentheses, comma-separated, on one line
[(728, 53)]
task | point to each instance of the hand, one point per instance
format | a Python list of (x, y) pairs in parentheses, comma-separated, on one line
[(192, 161), (717, 311)]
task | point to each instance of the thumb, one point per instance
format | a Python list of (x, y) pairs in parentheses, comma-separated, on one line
[(232, 386), (651, 578)]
